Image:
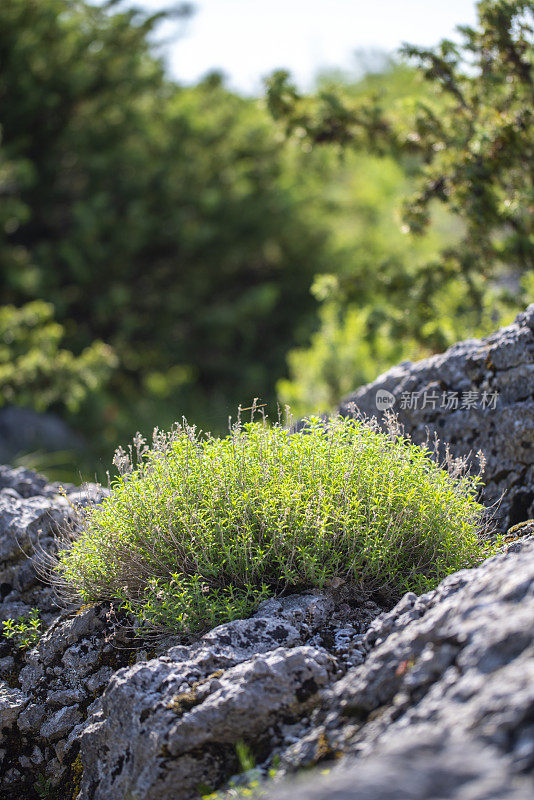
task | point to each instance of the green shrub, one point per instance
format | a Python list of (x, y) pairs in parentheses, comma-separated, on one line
[(204, 528)]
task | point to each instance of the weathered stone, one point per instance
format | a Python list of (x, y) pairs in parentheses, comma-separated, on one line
[(414, 769), (65, 697), (31, 514), (61, 723), (454, 667), (52, 647), (157, 734), (22, 521), (31, 718), (257, 664), (12, 703), (7, 665), (25, 482), (98, 680)]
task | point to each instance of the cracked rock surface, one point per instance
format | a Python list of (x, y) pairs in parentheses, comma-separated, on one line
[(501, 364), (41, 692), (31, 512), (444, 698), (169, 725)]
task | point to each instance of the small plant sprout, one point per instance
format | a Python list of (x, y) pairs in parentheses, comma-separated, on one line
[(24, 632)]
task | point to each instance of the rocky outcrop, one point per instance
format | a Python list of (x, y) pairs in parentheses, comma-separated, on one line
[(52, 689), (414, 770), (89, 704), (31, 513), (434, 698), (431, 699), (170, 725), (478, 395), (446, 674)]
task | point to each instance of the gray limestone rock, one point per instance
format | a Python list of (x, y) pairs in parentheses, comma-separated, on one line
[(455, 668), (164, 726), (158, 734), (430, 769), (32, 512), (61, 723), (12, 703)]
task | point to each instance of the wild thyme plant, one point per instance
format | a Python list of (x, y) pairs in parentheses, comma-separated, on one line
[(201, 529)]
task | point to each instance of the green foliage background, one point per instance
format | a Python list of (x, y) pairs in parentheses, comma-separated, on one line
[(221, 254), (35, 371), (462, 133), (157, 218)]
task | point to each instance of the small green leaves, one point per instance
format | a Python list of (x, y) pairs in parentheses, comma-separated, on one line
[(24, 632)]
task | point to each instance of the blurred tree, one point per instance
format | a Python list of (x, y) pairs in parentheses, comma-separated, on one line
[(34, 370), (449, 144), (479, 156), (364, 316), (470, 138), (156, 218)]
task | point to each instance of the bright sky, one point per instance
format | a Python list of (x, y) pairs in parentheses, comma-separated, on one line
[(248, 39)]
